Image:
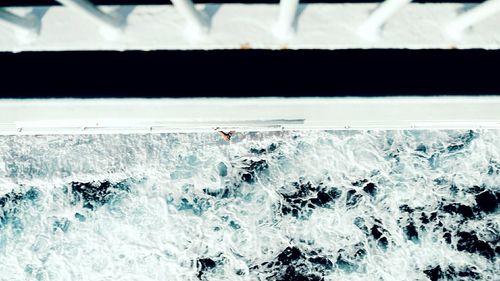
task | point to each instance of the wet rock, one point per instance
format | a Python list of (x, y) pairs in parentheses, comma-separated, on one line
[(487, 201), (434, 273)]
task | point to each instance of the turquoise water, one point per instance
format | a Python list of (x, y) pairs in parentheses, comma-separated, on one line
[(292, 205)]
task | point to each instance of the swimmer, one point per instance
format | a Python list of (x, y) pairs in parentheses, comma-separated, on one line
[(225, 136)]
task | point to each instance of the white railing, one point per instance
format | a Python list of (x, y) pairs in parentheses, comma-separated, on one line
[(392, 24)]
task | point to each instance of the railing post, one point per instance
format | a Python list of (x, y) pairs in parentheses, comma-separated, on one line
[(286, 18), (196, 23), (456, 28), (25, 27), (370, 29), (86, 8)]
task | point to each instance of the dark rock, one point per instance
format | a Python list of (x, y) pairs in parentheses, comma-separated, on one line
[(487, 201), (434, 274)]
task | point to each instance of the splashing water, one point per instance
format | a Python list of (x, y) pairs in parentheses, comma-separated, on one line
[(292, 205)]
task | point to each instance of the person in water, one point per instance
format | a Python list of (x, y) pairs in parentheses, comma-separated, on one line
[(225, 136)]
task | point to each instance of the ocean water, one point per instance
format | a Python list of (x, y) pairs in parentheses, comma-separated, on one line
[(286, 205)]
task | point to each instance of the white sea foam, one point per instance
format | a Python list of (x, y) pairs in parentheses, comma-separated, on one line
[(166, 220)]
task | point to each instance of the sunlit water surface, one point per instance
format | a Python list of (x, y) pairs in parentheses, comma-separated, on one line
[(308, 205)]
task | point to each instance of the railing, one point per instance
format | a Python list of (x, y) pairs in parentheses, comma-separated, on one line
[(393, 24)]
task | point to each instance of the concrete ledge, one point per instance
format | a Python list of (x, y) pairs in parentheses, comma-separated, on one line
[(101, 116)]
